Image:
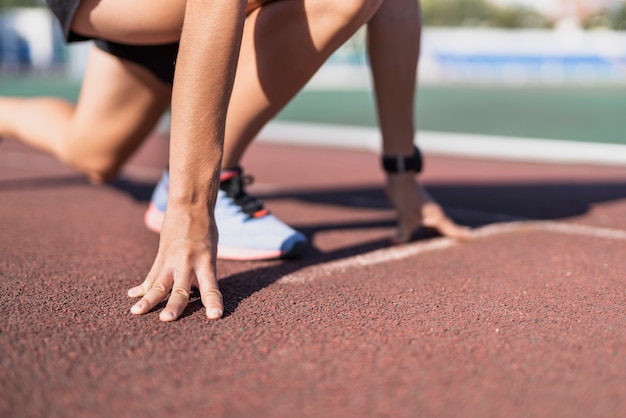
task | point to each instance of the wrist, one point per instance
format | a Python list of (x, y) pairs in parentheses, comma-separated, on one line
[(401, 181), (192, 189)]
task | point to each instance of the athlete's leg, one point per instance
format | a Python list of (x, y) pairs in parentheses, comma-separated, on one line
[(145, 22), (119, 104), (284, 44)]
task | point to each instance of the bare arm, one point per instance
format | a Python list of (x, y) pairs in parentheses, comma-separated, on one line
[(394, 45), (209, 48)]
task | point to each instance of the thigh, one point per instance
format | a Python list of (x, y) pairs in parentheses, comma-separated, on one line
[(136, 22), (119, 104), (145, 22)]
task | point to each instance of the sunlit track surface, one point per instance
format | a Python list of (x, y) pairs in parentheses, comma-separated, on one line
[(414, 249)]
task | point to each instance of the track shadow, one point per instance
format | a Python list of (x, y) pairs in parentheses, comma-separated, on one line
[(141, 192), (539, 201), (46, 182), (527, 201), (531, 201)]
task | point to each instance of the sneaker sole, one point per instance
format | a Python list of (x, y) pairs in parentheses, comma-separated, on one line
[(239, 254), (153, 219)]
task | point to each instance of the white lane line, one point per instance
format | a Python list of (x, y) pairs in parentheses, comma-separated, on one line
[(448, 143), (587, 230), (385, 255), (368, 259)]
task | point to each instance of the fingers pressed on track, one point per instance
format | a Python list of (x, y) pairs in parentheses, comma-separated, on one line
[(157, 293), (179, 298), (210, 293)]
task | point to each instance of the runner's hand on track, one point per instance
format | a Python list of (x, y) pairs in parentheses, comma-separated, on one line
[(187, 257), (416, 208)]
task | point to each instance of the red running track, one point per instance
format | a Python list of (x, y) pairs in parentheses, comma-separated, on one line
[(527, 320)]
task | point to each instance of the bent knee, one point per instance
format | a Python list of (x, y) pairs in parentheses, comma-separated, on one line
[(102, 175), (99, 169)]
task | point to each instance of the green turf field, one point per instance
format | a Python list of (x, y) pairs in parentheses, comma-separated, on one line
[(38, 86), (591, 114), (574, 113)]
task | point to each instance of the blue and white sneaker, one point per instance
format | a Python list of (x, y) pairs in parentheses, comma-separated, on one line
[(247, 231)]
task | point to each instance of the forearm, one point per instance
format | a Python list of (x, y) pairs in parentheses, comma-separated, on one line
[(393, 46), (205, 70)]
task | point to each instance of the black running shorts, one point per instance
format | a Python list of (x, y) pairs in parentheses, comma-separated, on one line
[(159, 59)]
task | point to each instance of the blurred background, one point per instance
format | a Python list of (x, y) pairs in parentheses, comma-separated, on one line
[(544, 69)]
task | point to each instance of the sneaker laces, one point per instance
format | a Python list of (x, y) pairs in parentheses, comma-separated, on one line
[(234, 187)]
